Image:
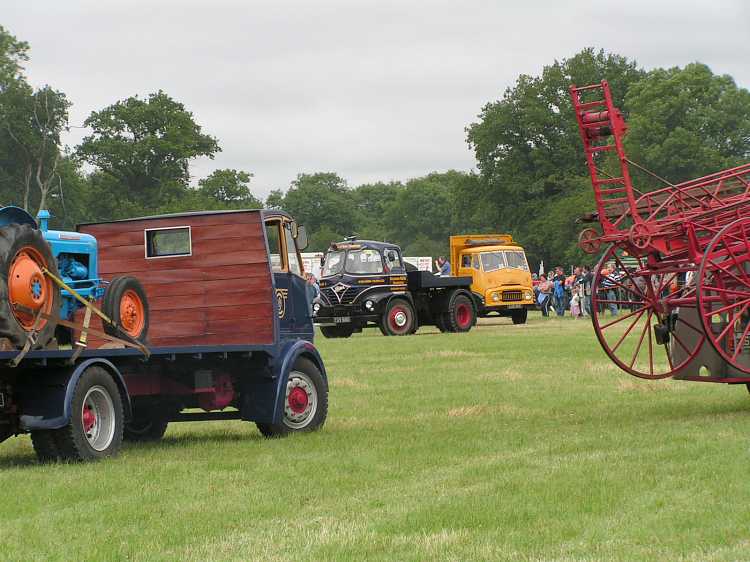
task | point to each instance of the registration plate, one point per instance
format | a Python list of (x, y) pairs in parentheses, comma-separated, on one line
[(514, 306), (342, 319), (2, 400)]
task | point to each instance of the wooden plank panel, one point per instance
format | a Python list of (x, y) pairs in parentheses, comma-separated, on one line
[(244, 244), (201, 233), (200, 287), (114, 266), (260, 335), (240, 298), (229, 272), (159, 317)]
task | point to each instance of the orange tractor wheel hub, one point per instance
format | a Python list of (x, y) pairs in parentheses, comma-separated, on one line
[(132, 313), (28, 287)]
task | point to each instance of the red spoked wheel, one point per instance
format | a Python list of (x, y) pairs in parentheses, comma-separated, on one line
[(589, 240), (637, 319), (724, 293)]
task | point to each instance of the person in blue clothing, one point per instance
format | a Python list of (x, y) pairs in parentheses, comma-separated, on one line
[(444, 266)]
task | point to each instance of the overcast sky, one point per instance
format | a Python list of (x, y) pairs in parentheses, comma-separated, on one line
[(371, 89)]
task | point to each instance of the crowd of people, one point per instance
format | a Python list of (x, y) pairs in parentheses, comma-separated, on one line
[(557, 293)]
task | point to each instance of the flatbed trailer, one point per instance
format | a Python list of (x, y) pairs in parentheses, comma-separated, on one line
[(253, 360)]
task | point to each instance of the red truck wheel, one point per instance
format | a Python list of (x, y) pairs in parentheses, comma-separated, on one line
[(305, 402), (125, 303), (26, 290)]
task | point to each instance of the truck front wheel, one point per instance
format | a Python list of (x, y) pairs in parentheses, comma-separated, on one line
[(343, 331), (519, 316), (305, 402), (398, 318)]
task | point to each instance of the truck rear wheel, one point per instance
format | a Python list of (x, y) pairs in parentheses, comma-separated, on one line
[(96, 422), (145, 428), (305, 403), (461, 315), (125, 304), (25, 291), (337, 331), (519, 316), (398, 318)]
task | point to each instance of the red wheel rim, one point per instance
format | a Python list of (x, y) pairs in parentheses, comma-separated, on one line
[(589, 241), (463, 315), (132, 313), (88, 418), (724, 294), (29, 288), (647, 304), (399, 319), (298, 400)]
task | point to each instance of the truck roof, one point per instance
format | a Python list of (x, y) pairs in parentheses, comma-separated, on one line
[(371, 244), (264, 212)]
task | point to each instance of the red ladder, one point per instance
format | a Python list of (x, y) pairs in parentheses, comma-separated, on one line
[(602, 129)]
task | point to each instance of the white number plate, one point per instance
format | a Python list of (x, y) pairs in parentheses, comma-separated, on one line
[(514, 306), (342, 319), (2, 400)]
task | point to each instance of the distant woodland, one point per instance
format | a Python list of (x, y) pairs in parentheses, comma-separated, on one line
[(530, 176)]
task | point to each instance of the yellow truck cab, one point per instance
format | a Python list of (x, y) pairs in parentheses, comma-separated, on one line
[(501, 281)]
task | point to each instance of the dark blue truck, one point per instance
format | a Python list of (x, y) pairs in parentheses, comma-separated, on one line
[(111, 332)]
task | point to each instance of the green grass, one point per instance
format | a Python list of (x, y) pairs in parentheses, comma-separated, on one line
[(506, 443)]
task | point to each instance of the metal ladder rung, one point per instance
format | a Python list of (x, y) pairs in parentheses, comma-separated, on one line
[(596, 124), (601, 148), (590, 104), (608, 181)]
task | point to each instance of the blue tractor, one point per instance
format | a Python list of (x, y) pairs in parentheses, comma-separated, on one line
[(48, 275)]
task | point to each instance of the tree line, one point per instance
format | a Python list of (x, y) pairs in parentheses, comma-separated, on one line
[(530, 177)]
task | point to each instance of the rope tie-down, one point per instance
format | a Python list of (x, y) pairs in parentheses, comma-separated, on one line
[(84, 328)]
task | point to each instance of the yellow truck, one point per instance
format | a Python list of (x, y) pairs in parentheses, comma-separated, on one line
[(501, 281)]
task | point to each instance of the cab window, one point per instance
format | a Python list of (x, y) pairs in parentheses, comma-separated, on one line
[(393, 260), (475, 262), (466, 260), (291, 251), (273, 234), (363, 262)]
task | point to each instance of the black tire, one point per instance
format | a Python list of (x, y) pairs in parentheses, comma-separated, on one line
[(461, 315), (440, 322), (305, 371), (519, 316), (390, 321), (45, 445), (337, 331), (72, 441), (119, 289), (13, 238), (145, 428)]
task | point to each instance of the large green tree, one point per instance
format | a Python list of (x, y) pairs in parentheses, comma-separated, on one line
[(142, 149), (528, 148), (228, 189), (686, 123)]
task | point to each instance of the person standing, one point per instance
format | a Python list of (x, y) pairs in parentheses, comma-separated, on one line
[(444, 267), (587, 279), (545, 294)]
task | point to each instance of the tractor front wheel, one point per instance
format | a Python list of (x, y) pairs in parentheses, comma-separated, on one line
[(126, 305)]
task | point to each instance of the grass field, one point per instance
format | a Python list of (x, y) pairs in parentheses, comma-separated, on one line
[(506, 443)]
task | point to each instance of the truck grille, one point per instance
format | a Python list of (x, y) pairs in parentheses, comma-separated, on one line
[(511, 296), (347, 296)]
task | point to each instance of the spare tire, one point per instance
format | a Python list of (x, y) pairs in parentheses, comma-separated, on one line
[(25, 291), (125, 303)]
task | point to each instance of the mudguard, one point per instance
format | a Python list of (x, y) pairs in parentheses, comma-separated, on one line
[(263, 396), (46, 397), (15, 215)]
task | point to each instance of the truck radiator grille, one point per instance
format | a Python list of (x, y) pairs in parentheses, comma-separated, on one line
[(511, 296), (346, 297)]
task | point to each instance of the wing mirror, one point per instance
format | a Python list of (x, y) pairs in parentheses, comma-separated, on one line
[(301, 237)]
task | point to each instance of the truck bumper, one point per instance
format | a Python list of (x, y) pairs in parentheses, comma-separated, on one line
[(506, 309), (357, 319)]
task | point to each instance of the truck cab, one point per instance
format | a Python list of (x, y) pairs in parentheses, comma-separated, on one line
[(501, 281)]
